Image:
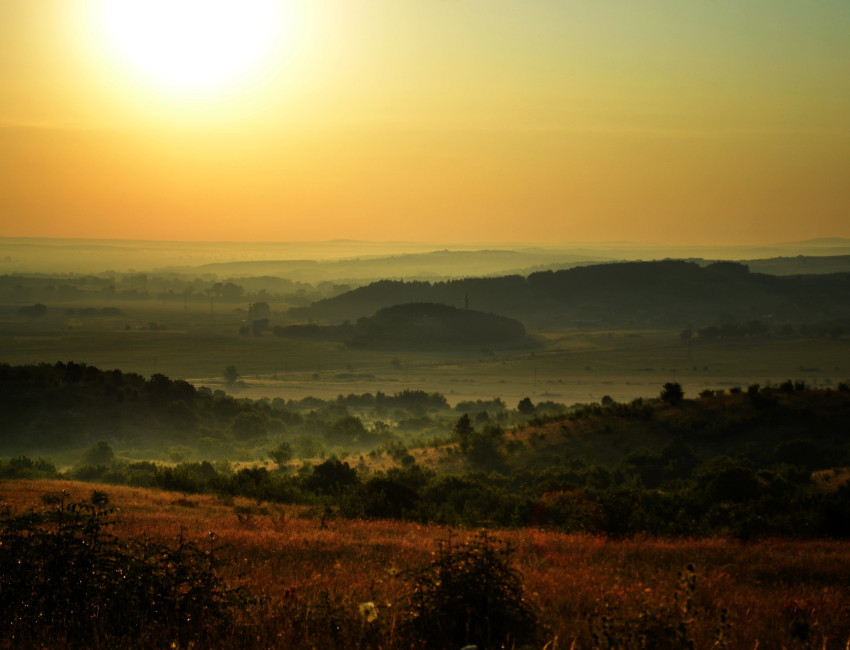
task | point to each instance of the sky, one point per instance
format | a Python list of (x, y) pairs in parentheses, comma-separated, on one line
[(552, 121)]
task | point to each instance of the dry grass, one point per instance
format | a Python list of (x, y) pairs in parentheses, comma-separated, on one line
[(830, 480), (779, 593)]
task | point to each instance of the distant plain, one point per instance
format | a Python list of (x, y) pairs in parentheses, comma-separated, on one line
[(570, 366), (196, 339)]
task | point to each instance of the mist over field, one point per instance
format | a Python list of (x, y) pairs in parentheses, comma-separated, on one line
[(297, 320), (338, 259), (286, 315)]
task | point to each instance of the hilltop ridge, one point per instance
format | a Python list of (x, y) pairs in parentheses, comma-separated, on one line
[(665, 293)]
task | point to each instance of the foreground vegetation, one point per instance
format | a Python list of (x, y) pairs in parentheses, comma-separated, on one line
[(286, 577)]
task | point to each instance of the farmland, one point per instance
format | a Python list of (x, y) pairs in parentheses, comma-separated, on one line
[(567, 365)]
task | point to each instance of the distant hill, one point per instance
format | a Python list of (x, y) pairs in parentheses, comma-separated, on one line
[(801, 265), (629, 294), (439, 265), (430, 265), (360, 262), (429, 325)]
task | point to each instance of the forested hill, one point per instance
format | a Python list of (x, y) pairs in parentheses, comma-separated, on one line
[(431, 325), (629, 294)]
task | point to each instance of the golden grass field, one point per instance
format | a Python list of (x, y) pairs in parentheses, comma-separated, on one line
[(778, 593)]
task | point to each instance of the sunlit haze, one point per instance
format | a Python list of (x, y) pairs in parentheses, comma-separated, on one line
[(469, 121), (191, 45)]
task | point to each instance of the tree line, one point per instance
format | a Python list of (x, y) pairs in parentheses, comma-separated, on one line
[(760, 461), (626, 294), (69, 406)]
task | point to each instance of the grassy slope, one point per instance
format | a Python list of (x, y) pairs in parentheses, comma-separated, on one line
[(727, 424), (775, 591)]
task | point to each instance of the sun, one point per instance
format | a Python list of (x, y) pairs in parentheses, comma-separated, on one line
[(187, 46)]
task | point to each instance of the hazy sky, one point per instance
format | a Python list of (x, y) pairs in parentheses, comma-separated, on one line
[(680, 121)]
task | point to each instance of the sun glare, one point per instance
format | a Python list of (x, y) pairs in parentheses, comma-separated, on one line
[(192, 45)]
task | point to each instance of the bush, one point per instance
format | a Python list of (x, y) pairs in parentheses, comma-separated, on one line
[(65, 581), (672, 393), (25, 467), (469, 595), (384, 498), (331, 477)]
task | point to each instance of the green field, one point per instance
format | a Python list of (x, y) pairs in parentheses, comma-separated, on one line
[(569, 366)]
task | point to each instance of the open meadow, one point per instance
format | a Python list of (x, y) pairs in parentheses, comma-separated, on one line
[(569, 366), (309, 573)]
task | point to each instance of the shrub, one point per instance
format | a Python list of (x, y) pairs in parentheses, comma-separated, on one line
[(672, 393), (331, 477), (469, 595), (25, 467), (65, 580), (382, 497)]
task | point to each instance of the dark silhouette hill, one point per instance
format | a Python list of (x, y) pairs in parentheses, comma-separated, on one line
[(429, 325), (801, 264), (667, 293)]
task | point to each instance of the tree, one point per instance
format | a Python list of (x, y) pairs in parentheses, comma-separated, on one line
[(672, 393), (331, 477), (730, 483), (231, 292), (249, 425), (525, 406), (346, 431), (483, 449), (99, 454), (33, 311), (386, 498), (259, 326), (183, 416), (259, 310), (282, 454), (463, 429), (231, 375), (802, 452)]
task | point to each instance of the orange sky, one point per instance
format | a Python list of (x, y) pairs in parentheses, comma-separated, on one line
[(484, 120)]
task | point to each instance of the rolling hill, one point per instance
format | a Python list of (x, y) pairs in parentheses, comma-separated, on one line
[(429, 325), (667, 293)]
